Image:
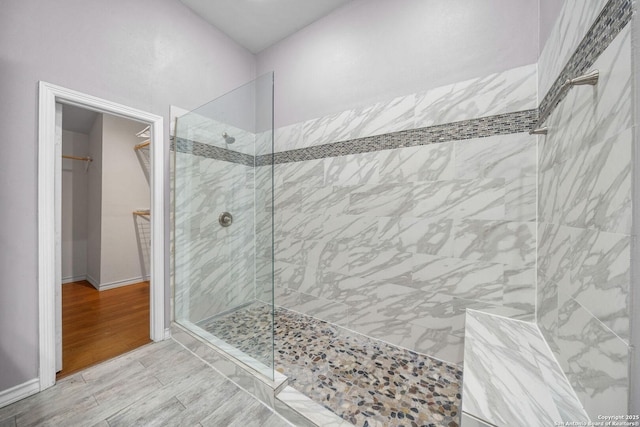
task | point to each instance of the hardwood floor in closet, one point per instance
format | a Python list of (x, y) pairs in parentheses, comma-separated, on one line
[(97, 326)]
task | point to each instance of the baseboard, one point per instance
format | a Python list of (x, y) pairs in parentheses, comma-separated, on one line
[(93, 282), (119, 283), (167, 333), (19, 392), (66, 280)]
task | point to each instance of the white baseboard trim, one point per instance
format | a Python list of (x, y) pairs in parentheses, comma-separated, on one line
[(167, 333), (119, 283), (93, 282), (7, 397), (66, 280)]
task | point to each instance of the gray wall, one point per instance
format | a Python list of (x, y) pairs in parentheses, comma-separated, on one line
[(74, 206), (549, 10), (373, 50), (124, 244), (94, 200), (145, 54)]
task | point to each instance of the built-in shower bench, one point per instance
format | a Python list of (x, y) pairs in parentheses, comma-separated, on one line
[(511, 377)]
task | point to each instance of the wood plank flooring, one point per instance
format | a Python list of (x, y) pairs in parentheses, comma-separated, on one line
[(97, 326), (158, 384)]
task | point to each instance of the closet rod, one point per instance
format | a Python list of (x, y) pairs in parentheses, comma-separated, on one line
[(141, 213), (142, 145), (86, 159)]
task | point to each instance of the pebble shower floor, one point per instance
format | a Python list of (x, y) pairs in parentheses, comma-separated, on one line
[(365, 381)]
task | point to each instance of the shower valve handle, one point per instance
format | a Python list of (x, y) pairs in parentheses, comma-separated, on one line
[(225, 219)]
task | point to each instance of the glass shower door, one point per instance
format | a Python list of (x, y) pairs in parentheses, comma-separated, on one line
[(223, 223)]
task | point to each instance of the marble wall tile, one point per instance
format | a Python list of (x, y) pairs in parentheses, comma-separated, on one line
[(379, 237), (436, 343), (555, 252), (472, 198), (382, 117), (331, 128), (354, 238), (434, 162), (387, 266), (511, 243), (388, 116), (520, 289), (381, 200), (547, 306), (287, 274), (264, 142), (303, 174), (595, 186), (592, 114), (366, 297), (444, 313), (325, 255), (353, 169), (549, 202), (425, 235), (504, 156), (511, 90), (324, 200), (475, 280), (288, 137), (594, 359), (573, 23), (287, 197), (590, 266), (209, 279), (520, 198), (329, 311), (288, 249), (600, 277)]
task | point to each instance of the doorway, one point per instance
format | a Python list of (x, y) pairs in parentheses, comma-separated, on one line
[(49, 217), (105, 237)]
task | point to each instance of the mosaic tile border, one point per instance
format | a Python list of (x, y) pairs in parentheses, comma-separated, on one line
[(183, 145), (615, 15), (502, 124)]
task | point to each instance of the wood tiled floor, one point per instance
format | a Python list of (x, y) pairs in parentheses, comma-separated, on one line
[(158, 384), (99, 325)]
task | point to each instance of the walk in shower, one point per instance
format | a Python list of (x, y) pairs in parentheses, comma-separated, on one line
[(223, 219)]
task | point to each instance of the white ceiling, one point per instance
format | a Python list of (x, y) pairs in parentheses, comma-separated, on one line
[(258, 24)]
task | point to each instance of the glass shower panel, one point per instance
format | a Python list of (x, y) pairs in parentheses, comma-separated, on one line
[(223, 219)]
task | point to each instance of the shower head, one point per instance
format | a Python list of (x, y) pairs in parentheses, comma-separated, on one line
[(228, 139)]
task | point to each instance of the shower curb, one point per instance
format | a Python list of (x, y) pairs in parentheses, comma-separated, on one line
[(289, 403)]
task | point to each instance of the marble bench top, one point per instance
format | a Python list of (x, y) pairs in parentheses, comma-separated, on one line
[(511, 377)]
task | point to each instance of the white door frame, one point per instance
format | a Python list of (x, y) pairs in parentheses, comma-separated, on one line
[(49, 94)]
